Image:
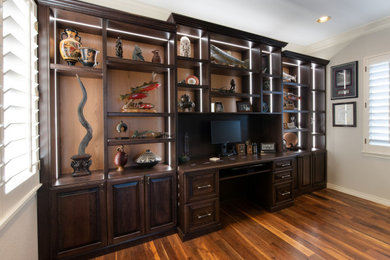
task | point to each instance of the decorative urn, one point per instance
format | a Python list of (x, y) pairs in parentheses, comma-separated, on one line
[(120, 158), (70, 46), (148, 159)]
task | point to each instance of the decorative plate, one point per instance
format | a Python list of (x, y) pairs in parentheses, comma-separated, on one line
[(192, 80)]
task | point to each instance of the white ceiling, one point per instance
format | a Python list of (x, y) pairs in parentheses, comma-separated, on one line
[(293, 21)]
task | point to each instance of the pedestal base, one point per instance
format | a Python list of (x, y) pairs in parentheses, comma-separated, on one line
[(81, 164)]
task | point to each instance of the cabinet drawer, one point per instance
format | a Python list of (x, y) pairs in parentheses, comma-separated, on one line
[(283, 192), (202, 214), (282, 176), (283, 164), (200, 185)]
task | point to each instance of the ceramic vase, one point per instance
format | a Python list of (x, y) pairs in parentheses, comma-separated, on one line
[(70, 46), (88, 57), (148, 159), (120, 158)]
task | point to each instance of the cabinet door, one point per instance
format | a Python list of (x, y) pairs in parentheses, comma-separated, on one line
[(125, 209), (319, 168), (304, 173), (79, 223), (160, 203)]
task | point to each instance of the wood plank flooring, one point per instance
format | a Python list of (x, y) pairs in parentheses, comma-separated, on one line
[(322, 225)]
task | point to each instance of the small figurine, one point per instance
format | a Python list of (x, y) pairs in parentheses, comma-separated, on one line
[(156, 56), (221, 57), (140, 92), (185, 104), (289, 78), (121, 128), (120, 158), (147, 134), (118, 48), (137, 54), (185, 47), (232, 86)]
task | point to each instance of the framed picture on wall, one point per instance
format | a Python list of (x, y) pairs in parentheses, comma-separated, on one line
[(344, 114), (344, 81)]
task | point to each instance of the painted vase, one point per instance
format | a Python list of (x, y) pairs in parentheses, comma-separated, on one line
[(70, 46), (88, 57), (120, 158)]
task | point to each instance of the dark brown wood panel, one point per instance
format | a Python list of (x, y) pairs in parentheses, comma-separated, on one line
[(321, 225), (304, 172), (160, 198), (80, 219), (319, 168), (125, 209)]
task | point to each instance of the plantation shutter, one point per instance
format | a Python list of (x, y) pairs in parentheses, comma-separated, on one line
[(19, 137), (379, 103)]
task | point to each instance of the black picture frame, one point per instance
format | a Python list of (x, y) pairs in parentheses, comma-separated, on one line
[(344, 81), (243, 106), (344, 114)]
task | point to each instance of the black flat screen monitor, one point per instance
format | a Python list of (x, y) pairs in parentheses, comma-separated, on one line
[(224, 132)]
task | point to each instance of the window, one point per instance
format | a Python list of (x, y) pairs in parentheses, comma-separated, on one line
[(377, 105), (19, 139)]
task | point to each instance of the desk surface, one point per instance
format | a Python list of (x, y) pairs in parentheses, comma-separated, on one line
[(238, 160)]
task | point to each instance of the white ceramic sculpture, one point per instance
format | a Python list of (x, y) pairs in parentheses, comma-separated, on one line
[(185, 47)]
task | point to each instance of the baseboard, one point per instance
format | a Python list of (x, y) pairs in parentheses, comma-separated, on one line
[(359, 194)]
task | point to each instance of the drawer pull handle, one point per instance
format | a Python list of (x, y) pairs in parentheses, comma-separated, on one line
[(285, 176), (204, 186), (285, 164), (204, 216), (285, 193)]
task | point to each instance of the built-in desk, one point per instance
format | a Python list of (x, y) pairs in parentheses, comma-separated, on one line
[(199, 187)]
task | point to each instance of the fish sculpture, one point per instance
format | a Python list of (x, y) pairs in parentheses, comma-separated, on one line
[(137, 54), (288, 77), (137, 93), (221, 57)]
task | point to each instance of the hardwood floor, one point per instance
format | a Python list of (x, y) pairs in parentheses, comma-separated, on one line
[(322, 225)]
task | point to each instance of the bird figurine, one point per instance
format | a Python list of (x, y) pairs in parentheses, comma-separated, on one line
[(156, 56)]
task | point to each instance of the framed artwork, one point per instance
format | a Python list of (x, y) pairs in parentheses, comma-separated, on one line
[(243, 106), (344, 82), (344, 114)]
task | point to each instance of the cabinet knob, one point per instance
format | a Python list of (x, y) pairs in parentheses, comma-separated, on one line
[(204, 186), (204, 216)]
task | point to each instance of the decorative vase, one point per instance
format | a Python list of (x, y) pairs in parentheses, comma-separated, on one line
[(88, 57), (185, 47), (120, 158), (70, 46), (148, 159)]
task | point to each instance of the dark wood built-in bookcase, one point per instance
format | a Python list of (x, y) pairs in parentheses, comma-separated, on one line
[(81, 217)]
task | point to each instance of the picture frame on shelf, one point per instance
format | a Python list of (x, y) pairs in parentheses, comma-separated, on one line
[(243, 106), (344, 83), (218, 107), (344, 114)]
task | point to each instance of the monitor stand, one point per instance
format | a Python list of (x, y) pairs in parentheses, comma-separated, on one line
[(223, 152)]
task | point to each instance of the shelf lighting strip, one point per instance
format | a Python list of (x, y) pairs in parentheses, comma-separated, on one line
[(290, 64), (271, 87), (138, 34), (200, 77), (299, 105), (73, 22), (230, 44), (313, 68), (250, 76)]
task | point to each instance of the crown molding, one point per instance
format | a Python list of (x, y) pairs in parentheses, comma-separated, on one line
[(348, 36)]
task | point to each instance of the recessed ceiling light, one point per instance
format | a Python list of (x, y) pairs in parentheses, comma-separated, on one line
[(323, 19)]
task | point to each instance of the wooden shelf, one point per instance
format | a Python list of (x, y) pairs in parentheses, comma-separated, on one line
[(68, 70), (127, 114), (295, 130), (189, 63), (228, 70), (236, 95), (267, 92), (267, 75), (68, 179), (138, 171), (293, 84), (134, 65), (295, 111), (113, 141), (191, 87)]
